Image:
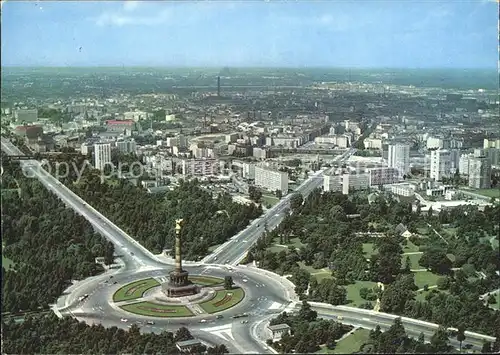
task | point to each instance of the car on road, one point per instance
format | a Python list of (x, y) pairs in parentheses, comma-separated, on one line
[(219, 316), (467, 346), (215, 258), (203, 321), (124, 320), (244, 321), (340, 317), (244, 280), (131, 253), (150, 322)]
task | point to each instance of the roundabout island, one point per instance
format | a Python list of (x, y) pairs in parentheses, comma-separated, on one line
[(216, 302), (145, 297), (182, 295)]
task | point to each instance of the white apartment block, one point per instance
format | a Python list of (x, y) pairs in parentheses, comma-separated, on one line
[(341, 140), (383, 176), (203, 153), (177, 141), (491, 143), (23, 115), (479, 173), (126, 147), (260, 153), (135, 115), (373, 143), (434, 143), (271, 180), (332, 183), (352, 126), (354, 182), (200, 167), (463, 164), (248, 170), (102, 155), (399, 158), (403, 190), (440, 164), (86, 148)]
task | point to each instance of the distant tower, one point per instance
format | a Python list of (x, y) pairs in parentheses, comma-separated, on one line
[(218, 86), (179, 284)]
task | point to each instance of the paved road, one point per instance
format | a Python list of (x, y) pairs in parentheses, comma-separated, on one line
[(265, 296), (233, 251), (135, 255), (262, 299)]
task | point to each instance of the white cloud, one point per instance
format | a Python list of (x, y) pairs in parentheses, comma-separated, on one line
[(130, 5), (121, 19)]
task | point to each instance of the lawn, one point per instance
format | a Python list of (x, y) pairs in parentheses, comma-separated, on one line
[(368, 249), (157, 310), (205, 280), (353, 292), (223, 300), (450, 231), (496, 305), (349, 345), (7, 263), (488, 192), (277, 246), (423, 230), (269, 200), (425, 278), (319, 274), (414, 258), (409, 247), (134, 290)]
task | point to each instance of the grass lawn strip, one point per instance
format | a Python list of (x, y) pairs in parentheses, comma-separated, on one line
[(349, 345), (425, 278), (134, 290), (353, 292), (157, 310), (223, 299), (205, 280)]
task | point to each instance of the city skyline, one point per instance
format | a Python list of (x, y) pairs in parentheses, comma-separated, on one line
[(251, 34)]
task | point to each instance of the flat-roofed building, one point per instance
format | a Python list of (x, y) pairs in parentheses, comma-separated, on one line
[(271, 180), (383, 176)]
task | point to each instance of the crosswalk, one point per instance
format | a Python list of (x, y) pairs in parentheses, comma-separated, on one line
[(222, 331)]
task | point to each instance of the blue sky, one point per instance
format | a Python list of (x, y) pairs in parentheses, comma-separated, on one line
[(389, 34)]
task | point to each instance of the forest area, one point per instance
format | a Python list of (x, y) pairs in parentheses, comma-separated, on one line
[(327, 243)]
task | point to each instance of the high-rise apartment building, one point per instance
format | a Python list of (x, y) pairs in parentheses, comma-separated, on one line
[(399, 158), (271, 180), (102, 155), (126, 147), (440, 164), (479, 173)]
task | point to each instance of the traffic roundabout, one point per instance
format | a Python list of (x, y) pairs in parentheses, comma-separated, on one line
[(146, 297)]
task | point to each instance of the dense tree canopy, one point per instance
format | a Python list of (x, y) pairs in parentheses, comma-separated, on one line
[(51, 335), (49, 244), (208, 219)]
